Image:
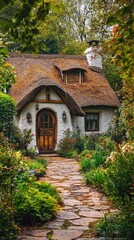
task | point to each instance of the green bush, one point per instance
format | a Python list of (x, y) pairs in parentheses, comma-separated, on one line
[(119, 186), (8, 228), (98, 158), (91, 141), (31, 152), (89, 161), (9, 171), (7, 112), (41, 161), (70, 145), (95, 177), (105, 145), (37, 167), (22, 200), (116, 226), (73, 142), (48, 188), (84, 153), (120, 174), (33, 207), (86, 164), (118, 131), (21, 139)]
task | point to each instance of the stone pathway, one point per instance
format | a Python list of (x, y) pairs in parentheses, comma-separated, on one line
[(83, 206)]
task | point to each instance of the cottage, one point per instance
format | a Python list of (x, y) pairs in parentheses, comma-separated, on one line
[(57, 92)]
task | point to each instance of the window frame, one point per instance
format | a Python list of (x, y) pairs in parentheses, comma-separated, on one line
[(92, 130), (74, 73)]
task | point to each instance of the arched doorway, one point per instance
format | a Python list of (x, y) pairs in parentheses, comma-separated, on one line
[(46, 131)]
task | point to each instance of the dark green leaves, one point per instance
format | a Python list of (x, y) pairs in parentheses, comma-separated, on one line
[(22, 22)]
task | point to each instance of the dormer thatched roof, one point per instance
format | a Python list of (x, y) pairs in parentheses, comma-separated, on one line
[(35, 71)]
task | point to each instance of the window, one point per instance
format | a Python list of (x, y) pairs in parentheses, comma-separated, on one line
[(73, 76), (92, 122)]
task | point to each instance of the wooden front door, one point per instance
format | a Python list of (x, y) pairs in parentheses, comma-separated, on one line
[(46, 131)]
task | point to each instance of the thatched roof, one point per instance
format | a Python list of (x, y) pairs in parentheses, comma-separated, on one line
[(69, 64), (35, 71)]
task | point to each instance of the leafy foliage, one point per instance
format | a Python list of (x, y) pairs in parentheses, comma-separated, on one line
[(46, 187), (9, 168), (7, 73), (95, 177), (117, 225), (70, 145), (37, 167), (21, 138), (33, 206), (90, 142), (86, 164), (7, 111), (116, 179), (121, 47), (22, 200), (8, 229), (112, 72), (54, 27), (23, 20), (119, 174), (117, 130)]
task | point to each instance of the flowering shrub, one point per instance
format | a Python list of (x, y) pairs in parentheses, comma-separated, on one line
[(116, 179), (120, 174), (21, 139), (70, 145)]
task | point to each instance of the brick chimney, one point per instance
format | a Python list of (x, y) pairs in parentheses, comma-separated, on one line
[(93, 54)]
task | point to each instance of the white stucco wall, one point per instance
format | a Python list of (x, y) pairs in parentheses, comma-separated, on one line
[(56, 108), (105, 119), (72, 122)]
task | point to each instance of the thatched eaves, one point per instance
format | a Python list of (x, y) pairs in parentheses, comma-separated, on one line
[(35, 71)]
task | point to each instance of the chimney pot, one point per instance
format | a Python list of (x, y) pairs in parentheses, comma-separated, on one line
[(93, 43)]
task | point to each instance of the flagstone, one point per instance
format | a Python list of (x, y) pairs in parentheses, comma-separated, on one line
[(32, 238), (83, 221), (81, 191), (92, 214), (66, 234), (39, 233), (72, 202), (67, 215), (55, 224), (69, 208), (83, 228), (100, 207)]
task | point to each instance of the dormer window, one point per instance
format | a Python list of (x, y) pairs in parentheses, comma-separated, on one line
[(73, 76)]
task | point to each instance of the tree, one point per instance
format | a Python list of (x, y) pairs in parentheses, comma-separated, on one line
[(62, 26), (20, 18), (7, 73), (58, 33), (122, 47)]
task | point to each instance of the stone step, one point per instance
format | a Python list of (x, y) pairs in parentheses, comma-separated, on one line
[(48, 155)]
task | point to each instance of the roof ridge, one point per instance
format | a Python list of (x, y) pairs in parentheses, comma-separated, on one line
[(46, 56)]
